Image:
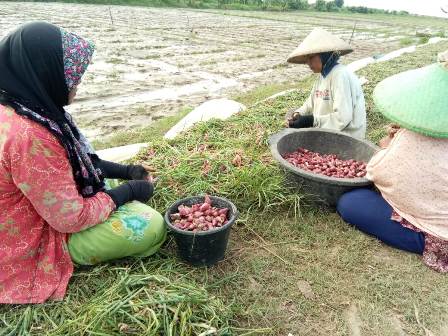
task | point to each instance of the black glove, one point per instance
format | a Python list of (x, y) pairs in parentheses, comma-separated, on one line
[(116, 170), (302, 122), (136, 172), (131, 191)]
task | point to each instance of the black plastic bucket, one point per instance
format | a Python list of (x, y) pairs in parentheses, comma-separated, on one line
[(207, 247)]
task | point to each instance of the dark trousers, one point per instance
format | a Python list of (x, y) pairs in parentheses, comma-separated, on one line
[(369, 212)]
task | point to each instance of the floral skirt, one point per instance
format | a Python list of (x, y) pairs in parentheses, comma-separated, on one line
[(435, 254), (133, 230)]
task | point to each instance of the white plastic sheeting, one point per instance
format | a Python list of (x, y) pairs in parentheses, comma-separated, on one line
[(359, 64), (122, 153)]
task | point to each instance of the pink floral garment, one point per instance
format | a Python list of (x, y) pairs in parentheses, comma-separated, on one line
[(39, 206), (435, 254), (417, 189)]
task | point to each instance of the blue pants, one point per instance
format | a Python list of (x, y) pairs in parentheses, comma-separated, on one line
[(369, 212)]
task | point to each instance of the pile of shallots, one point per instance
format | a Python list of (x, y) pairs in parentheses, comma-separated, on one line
[(199, 217), (326, 164)]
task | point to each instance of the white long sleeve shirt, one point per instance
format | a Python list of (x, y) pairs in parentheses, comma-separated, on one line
[(337, 102)]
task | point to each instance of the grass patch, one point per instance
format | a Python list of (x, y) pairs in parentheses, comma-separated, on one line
[(265, 91), (115, 74), (423, 40), (115, 60), (406, 41), (208, 62), (135, 298), (289, 269), (155, 56)]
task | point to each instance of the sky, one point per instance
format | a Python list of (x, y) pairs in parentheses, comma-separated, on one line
[(422, 7)]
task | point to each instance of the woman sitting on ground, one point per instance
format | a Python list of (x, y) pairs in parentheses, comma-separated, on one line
[(54, 207), (336, 101), (411, 171)]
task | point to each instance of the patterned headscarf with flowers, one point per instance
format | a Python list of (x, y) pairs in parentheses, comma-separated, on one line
[(77, 54), (40, 64)]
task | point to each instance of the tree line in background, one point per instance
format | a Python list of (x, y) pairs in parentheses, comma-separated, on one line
[(275, 5), (319, 5)]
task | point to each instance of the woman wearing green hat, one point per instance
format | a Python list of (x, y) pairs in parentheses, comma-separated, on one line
[(336, 101), (411, 171)]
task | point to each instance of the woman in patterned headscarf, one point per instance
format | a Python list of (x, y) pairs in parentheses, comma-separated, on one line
[(54, 207)]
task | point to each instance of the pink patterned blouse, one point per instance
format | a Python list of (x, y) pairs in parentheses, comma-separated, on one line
[(412, 176), (39, 206)]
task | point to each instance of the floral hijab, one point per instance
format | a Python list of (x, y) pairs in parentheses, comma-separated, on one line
[(40, 63)]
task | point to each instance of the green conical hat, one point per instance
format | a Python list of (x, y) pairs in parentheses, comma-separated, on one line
[(417, 100)]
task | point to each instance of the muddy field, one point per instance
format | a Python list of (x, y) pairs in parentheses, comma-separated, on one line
[(151, 62)]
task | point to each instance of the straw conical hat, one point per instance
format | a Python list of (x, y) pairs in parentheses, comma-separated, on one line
[(319, 41), (417, 99)]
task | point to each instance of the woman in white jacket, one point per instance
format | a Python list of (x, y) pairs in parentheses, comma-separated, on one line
[(336, 101)]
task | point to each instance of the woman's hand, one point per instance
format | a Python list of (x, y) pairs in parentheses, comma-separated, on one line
[(140, 172), (150, 170), (295, 116), (392, 129), (384, 142)]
